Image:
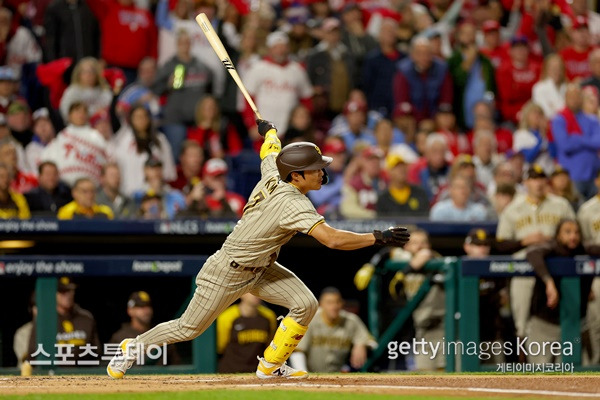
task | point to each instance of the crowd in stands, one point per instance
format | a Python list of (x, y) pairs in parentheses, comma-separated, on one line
[(432, 108)]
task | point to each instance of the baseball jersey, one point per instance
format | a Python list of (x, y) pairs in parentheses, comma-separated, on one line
[(521, 217), (327, 347), (78, 152), (275, 212), (589, 218)]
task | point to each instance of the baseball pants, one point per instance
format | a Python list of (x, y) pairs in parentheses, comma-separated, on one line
[(521, 290), (219, 285)]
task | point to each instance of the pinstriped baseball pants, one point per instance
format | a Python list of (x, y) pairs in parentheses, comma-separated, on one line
[(219, 285)]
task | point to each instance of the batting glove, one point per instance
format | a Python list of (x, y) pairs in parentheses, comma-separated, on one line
[(393, 236), (264, 126), (363, 276)]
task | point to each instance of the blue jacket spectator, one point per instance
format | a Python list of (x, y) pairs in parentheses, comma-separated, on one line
[(458, 207)]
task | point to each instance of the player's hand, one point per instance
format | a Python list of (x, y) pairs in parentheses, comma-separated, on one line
[(551, 294), (363, 276), (264, 126), (358, 356), (393, 236)]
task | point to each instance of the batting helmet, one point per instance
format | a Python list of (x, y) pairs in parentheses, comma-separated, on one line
[(302, 156)]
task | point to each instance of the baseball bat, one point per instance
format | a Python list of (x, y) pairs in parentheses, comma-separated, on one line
[(219, 49)]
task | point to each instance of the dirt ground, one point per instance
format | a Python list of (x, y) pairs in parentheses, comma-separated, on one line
[(460, 386)]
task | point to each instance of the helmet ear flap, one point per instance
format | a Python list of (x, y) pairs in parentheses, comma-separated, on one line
[(325, 179)]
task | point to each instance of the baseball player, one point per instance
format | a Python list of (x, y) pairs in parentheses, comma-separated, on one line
[(528, 220), (589, 219), (277, 209)]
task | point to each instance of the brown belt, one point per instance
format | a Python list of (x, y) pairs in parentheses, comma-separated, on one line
[(254, 270)]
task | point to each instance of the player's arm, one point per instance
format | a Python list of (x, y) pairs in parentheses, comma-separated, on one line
[(345, 240), (271, 145)]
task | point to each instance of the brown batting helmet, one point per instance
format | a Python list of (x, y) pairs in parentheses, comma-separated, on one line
[(301, 156)]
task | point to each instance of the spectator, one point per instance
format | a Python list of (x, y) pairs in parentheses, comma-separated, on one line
[(278, 83), (8, 88), (88, 87), (334, 339), (76, 326), (458, 207), (484, 113), (12, 204), (389, 138), (354, 37), (171, 200), (19, 46), (492, 47), (464, 166), (21, 181), (515, 79), (301, 127), (78, 151), (549, 91), (331, 68), (327, 199), (590, 105), (207, 131), (528, 220), (472, 75), (562, 186), (140, 91), (123, 19), (544, 324), (428, 317), (363, 183), (504, 174), (401, 198), (43, 133), (379, 68), (243, 331), (18, 117), (110, 195), (577, 138), (183, 80), (576, 56), (136, 143), (594, 78), (422, 81), (485, 156), (301, 41), (84, 204), (190, 165), (210, 198), (51, 194), (357, 132), (431, 171), (505, 193), (445, 125), (531, 140)]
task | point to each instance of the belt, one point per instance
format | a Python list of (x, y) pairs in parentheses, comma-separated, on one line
[(254, 270)]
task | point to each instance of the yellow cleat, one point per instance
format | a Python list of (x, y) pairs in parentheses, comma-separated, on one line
[(122, 361), (267, 370)]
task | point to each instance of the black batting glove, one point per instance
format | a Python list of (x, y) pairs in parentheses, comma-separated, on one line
[(264, 126), (393, 236)]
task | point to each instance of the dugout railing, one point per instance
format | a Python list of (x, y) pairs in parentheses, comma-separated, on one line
[(461, 284)]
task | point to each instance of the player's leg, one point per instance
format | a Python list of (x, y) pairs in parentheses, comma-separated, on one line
[(218, 286), (280, 286), (521, 290)]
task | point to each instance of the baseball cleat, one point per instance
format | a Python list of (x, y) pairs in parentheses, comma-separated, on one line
[(122, 361), (267, 370)]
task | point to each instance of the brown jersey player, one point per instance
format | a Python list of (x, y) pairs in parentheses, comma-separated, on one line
[(277, 209)]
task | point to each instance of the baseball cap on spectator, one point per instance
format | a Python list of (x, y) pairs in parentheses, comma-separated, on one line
[(153, 162), (519, 40), (276, 38), (17, 107), (7, 74), (65, 284), (336, 146), (139, 299), (445, 108), (490, 26), (580, 22), (99, 116), (329, 24), (355, 106), (40, 113), (404, 109), (393, 159), (297, 14), (478, 237), (215, 167), (535, 171), (372, 152), (151, 194), (464, 159), (558, 171)]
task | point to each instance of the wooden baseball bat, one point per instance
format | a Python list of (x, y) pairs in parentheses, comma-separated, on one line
[(219, 49)]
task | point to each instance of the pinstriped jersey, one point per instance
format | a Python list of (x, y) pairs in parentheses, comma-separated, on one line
[(275, 212), (589, 218), (521, 217)]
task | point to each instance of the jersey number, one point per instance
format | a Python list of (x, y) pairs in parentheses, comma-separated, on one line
[(260, 196)]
